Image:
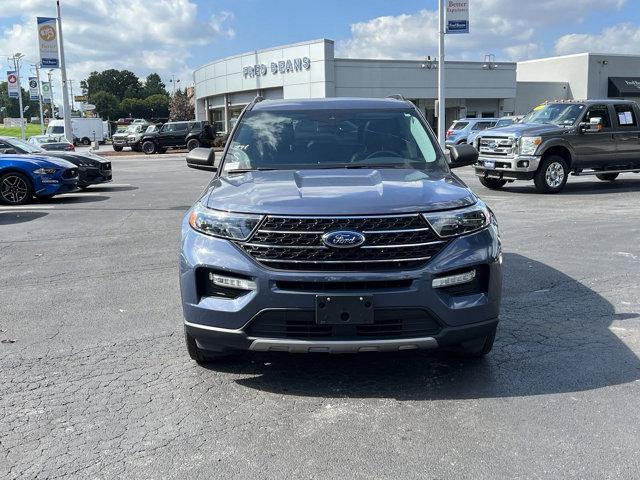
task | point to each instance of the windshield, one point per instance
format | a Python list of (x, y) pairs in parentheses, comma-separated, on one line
[(504, 122), (563, 114), (332, 139), (24, 146), (459, 125)]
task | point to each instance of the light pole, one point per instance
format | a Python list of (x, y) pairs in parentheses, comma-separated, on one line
[(441, 92), (37, 67), (53, 105), (16, 66), (174, 82), (68, 133)]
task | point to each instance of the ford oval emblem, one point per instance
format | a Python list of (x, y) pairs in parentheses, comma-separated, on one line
[(343, 239)]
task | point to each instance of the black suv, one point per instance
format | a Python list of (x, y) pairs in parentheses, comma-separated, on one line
[(590, 137), (188, 135)]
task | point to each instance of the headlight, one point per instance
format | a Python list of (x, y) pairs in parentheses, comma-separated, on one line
[(459, 222), (45, 171), (234, 226), (529, 145)]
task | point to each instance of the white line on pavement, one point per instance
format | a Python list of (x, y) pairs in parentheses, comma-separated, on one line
[(18, 208)]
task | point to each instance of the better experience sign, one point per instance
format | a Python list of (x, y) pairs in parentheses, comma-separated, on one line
[(457, 16)]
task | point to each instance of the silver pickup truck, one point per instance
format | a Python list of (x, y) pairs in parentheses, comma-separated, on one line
[(591, 137)]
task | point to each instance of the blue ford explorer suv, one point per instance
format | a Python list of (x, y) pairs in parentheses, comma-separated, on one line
[(336, 225)]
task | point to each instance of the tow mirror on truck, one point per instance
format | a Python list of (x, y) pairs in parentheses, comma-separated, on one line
[(202, 159), (462, 155), (592, 126)]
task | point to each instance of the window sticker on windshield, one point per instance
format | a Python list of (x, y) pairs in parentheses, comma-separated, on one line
[(539, 107)]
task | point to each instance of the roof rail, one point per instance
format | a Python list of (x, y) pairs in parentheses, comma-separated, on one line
[(257, 99)]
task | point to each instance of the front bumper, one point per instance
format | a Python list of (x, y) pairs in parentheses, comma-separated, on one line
[(219, 324), (520, 167), (47, 186), (94, 175)]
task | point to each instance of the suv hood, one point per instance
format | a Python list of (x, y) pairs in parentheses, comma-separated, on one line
[(521, 129), (337, 192)]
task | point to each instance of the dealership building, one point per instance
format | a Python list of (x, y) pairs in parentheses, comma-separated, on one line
[(485, 88)]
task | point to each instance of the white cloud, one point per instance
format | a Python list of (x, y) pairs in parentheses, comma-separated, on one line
[(621, 38), (507, 28), (139, 35)]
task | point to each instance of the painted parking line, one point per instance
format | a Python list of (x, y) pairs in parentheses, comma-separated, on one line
[(18, 208)]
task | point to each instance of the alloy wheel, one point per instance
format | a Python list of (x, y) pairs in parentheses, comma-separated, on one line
[(554, 174), (14, 189)]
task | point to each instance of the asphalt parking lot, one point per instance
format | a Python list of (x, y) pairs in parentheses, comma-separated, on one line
[(98, 384)]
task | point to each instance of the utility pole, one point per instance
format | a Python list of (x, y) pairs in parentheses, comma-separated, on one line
[(71, 88), (68, 133), (53, 105), (37, 67), (441, 92), (16, 66)]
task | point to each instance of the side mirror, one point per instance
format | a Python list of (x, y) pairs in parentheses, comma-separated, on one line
[(9, 151), (462, 155), (593, 125), (202, 159)]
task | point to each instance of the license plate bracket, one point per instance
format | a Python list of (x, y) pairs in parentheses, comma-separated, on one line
[(344, 309)]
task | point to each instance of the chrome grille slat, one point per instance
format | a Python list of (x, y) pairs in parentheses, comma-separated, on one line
[(391, 242)]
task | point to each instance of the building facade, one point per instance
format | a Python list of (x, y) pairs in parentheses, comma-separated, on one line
[(473, 89), (579, 76), (310, 70)]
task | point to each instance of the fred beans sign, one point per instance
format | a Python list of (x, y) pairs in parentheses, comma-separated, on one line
[(275, 68)]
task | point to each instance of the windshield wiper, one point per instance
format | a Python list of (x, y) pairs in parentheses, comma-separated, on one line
[(245, 170), (379, 165)]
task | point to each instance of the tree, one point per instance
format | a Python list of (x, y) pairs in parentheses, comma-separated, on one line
[(153, 86), (180, 107), (12, 107), (157, 105), (116, 82), (134, 107), (106, 103)]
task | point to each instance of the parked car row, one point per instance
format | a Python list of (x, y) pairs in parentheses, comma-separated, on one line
[(154, 138), (28, 171)]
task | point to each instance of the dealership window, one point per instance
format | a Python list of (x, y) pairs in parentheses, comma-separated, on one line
[(488, 114), (598, 111), (471, 115), (626, 116)]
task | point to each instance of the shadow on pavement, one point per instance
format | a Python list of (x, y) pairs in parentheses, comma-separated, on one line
[(11, 218), (595, 187), (554, 337), (107, 188), (72, 199)]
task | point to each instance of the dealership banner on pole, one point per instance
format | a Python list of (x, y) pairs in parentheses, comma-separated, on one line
[(34, 94), (12, 84), (46, 92), (457, 16), (48, 42)]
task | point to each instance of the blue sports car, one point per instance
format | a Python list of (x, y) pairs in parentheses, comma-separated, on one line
[(24, 176)]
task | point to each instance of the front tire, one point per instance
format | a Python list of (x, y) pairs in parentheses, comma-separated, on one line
[(86, 141), (199, 355), (607, 177), (15, 189), (193, 143), (476, 348), (117, 148), (551, 176), (493, 183), (149, 147)]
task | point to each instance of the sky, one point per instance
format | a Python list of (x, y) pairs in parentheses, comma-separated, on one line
[(172, 37)]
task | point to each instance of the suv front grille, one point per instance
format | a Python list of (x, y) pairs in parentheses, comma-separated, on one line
[(497, 146), (301, 325), (391, 242)]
